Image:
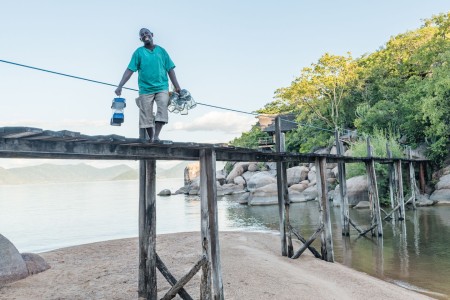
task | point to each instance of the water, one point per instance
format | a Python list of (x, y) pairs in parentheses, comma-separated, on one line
[(42, 217)]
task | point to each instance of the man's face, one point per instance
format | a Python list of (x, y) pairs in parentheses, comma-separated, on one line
[(146, 36)]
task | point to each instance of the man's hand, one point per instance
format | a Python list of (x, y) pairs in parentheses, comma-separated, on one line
[(118, 91)]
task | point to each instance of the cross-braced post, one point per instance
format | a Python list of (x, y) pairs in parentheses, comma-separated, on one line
[(373, 192), (210, 230)]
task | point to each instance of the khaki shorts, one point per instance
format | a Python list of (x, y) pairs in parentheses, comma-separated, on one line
[(145, 104)]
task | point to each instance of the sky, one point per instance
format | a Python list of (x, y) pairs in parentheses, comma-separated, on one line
[(232, 54)]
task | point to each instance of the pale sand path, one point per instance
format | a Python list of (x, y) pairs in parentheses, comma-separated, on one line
[(251, 264)]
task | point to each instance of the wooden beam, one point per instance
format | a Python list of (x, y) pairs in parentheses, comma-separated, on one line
[(208, 163), (345, 228), (280, 188), (185, 279), (400, 199), (205, 284), (303, 240), (309, 242), (170, 278), (373, 191), (324, 210), (143, 276), (150, 229), (412, 179)]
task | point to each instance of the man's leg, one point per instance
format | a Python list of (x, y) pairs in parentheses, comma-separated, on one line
[(162, 117), (150, 133)]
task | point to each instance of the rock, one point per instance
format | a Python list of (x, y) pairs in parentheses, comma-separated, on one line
[(311, 193), (362, 205), (253, 167), (243, 199), (182, 190), (299, 187), (424, 200), (240, 180), (230, 189), (35, 264), (259, 180), (191, 171), (444, 182), (329, 173), (220, 177), (312, 175), (12, 265), (296, 174), (441, 195), (296, 196), (271, 165), (335, 172), (331, 180), (164, 193), (357, 190), (238, 169), (247, 175), (265, 195)]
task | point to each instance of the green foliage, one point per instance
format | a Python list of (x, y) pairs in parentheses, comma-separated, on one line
[(250, 139)]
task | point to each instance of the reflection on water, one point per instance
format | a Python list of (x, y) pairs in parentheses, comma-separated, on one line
[(41, 217)]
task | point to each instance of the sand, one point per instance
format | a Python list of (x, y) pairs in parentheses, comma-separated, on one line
[(252, 268)]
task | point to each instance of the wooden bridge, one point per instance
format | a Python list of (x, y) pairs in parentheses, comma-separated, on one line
[(26, 142)]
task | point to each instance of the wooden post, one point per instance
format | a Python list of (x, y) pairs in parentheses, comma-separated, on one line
[(150, 228), (401, 210), (280, 188), (391, 176), (142, 287), (324, 210), (373, 190), (342, 188), (422, 177), (205, 284), (412, 179), (208, 194)]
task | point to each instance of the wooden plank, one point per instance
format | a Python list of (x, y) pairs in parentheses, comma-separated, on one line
[(170, 278), (280, 188), (373, 191), (185, 279), (412, 179), (342, 188), (18, 132), (208, 160), (150, 229), (205, 284), (422, 177), (391, 177), (308, 243), (400, 199), (287, 204), (324, 210), (143, 249), (303, 240)]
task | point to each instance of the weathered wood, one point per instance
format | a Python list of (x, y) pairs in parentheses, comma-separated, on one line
[(422, 177), (185, 279), (396, 208), (373, 191), (342, 188), (280, 189), (208, 162), (367, 230), (170, 278), (324, 210), (354, 225), (390, 176), (287, 204), (143, 276), (205, 284), (400, 199), (150, 228), (309, 242), (303, 240), (412, 179)]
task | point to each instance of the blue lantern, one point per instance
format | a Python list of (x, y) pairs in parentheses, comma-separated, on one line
[(118, 106)]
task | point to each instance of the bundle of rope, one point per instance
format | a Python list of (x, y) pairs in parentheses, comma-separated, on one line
[(181, 103)]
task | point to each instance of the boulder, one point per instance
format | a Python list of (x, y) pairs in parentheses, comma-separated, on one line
[(243, 199), (253, 167), (220, 177), (230, 189), (265, 195), (296, 174), (35, 264), (271, 166), (12, 265), (312, 175), (239, 180), (444, 182), (311, 193), (299, 187), (164, 193), (259, 180), (191, 171), (441, 195), (424, 200), (238, 169), (357, 190), (247, 175)]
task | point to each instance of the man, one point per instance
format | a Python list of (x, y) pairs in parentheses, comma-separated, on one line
[(153, 64)]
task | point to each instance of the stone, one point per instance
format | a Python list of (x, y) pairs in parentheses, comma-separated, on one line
[(335, 172), (243, 199), (253, 167), (164, 193), (441, 195), (444, 182), (247, 175), (265, 195), (35, 263), (362, 205), (12, 265), (239, 180), (357, 190), (238, 169), (271, 165), (259, 180), (312, 175), (296, 174), (191, 171), (298, 187)]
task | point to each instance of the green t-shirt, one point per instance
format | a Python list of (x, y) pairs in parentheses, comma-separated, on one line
[(152, 67)]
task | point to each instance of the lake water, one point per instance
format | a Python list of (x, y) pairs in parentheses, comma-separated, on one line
[(42, 217)]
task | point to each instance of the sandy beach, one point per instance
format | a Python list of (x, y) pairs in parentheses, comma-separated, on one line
[(251, 264)]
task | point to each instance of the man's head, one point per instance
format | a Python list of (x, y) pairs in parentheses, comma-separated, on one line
[(146, 36)]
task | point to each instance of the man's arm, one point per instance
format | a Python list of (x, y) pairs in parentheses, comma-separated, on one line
[(126, 76), (173, 79)]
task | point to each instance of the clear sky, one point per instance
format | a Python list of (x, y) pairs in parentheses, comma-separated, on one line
[(233, 54)]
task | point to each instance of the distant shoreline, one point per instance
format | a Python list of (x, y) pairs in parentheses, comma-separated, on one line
[(251, 264)]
